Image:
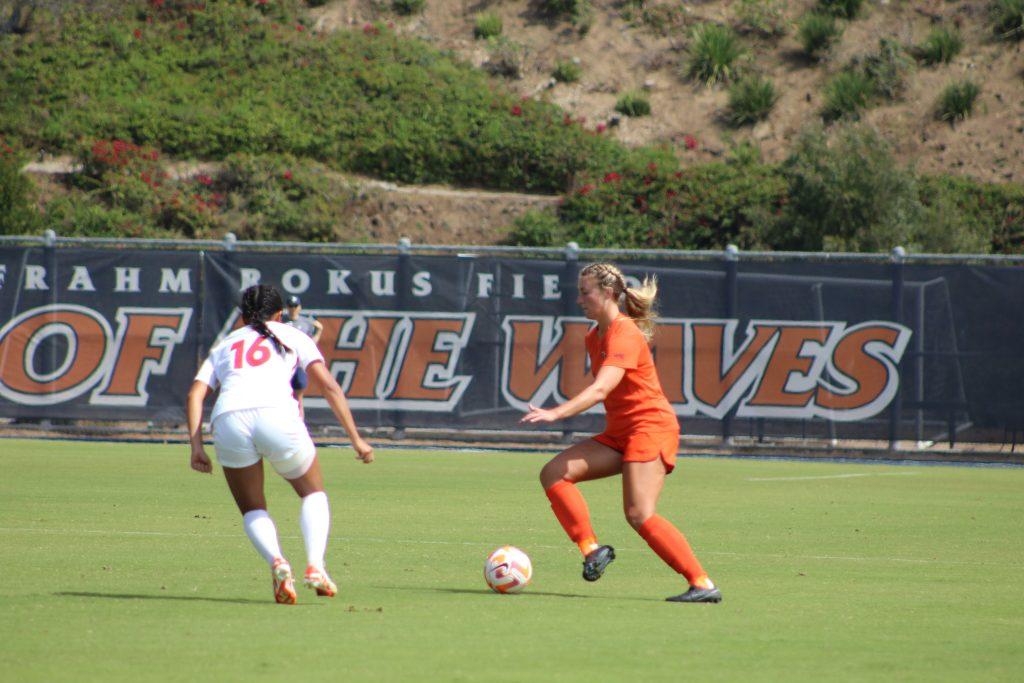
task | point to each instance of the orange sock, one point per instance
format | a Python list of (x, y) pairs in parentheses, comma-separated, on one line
[(572, 513), (672, 547)]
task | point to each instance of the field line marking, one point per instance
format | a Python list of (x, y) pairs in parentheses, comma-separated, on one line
[(108, 532), (835, 476), (485, 544), (845, 558)]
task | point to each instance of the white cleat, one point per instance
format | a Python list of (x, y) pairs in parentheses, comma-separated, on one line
[(284, 583), (318, 580)]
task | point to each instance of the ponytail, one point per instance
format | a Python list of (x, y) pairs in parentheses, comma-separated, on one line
[(640, 305), (259, 304), (637, 301)]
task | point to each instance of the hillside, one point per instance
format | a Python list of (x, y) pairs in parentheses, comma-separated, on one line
[(618, 54), (350, 121)]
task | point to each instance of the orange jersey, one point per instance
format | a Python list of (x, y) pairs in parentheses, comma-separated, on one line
[(638, 403)]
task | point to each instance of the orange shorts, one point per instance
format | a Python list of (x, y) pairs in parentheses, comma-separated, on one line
[(644, 446)]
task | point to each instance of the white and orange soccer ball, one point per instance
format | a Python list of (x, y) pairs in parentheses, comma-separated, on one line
[(508, 570)]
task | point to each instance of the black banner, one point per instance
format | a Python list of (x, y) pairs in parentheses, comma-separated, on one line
[(800, 348)]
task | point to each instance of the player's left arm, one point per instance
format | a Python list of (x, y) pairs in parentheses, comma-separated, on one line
[(608, 377), (200, 461), (339, 406), (318, 329)]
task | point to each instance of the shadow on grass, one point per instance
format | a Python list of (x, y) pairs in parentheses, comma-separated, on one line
[(525, 594), (142, 596)]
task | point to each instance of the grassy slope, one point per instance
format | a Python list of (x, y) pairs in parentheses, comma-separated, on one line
[(121, 564), (228, 79), (207, 84)]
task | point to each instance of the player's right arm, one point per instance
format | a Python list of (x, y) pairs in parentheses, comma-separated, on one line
[(200, 461), (339, 406), (608, 377)]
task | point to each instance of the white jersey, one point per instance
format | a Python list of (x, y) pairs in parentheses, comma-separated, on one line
[(252, 373)]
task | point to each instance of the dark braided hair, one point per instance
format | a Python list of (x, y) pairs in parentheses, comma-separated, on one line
[(259, 304)]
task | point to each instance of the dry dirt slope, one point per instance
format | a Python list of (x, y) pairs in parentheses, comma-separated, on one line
[(616, 55)]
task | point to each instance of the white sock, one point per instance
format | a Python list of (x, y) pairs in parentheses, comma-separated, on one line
[(315, 520), (260, 529)]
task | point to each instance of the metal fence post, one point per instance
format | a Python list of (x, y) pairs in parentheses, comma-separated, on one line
[(50, 258), (732, 257), (896, 409), (568, 289), (403, 278)]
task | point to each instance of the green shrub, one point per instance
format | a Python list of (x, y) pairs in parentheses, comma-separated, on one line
[(18, 215), (77, 216), (994, 212), (283, 198), (763, 17), (846, 94), (507, 57), (750, 99), (957, 100), (714, 51), (848, 194), (633, 104), (579, 12), (408, 7), (488, 25), (583, 19), (567, 71), (538, 229), (817, 33), (563, 8), (941, 46), (847, 9), (953, 222), (662, 20), (1008, 19), (867, 79), (887, 69)]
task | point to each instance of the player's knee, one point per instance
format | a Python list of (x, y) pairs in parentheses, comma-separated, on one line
[(551, 474), (636, 515)]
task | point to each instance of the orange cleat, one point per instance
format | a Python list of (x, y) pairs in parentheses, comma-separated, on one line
[(319, 580), (284, 584)]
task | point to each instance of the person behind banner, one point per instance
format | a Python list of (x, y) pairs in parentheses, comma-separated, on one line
[(641, 434), (255, 418), (310, 326)]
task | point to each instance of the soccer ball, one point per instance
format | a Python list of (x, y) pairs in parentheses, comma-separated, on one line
[(508, 570)]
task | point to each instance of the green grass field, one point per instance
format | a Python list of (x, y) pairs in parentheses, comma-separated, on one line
[(121, 564)]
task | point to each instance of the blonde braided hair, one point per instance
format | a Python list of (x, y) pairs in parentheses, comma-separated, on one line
[(638, 301)]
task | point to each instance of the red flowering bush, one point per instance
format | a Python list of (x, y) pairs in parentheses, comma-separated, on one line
[(267, 197), (131, 179), (649, 202), (109, 154)]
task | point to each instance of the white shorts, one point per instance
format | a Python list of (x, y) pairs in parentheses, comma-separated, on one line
[(242, 437)]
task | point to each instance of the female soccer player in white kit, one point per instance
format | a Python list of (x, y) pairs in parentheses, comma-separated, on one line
[(256, 418)]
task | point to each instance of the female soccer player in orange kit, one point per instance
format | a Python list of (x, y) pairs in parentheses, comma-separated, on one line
[(641, 434)]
